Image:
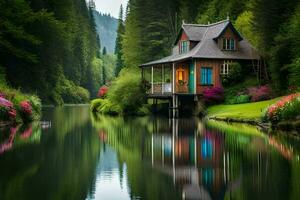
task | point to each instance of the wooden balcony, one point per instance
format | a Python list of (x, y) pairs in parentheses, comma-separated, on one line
[(160, 89)]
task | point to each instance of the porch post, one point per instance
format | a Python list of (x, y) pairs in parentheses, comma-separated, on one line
[(195, 77), (162, 79), (152, 86), (173, 79)]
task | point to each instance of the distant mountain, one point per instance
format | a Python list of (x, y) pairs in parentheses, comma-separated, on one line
[(107, 30)]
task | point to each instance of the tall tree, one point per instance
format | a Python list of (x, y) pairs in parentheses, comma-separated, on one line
[(118, 49)]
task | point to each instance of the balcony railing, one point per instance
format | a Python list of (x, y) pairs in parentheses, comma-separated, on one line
[(160, 88)]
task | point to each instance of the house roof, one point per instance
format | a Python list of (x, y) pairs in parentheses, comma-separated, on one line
[(207, 47)]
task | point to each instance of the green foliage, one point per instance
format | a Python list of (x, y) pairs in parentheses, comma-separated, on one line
[(118, 49), (71, 93), (105, 106), (232, 92), (127, 91), (126, 95), (244, 24), (109, 65), (294, 69), (47, 40), (216, 10), (234, 75), (238, 99)]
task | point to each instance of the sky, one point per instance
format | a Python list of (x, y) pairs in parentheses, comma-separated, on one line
[(110, 6)]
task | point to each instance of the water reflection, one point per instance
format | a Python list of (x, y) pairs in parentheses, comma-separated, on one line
[(211, 160), (78, 156)]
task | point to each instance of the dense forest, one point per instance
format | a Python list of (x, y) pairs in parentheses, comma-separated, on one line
[(150, 28), (51, 48)]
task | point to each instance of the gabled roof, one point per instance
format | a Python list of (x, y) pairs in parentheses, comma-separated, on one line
[(207, 46)]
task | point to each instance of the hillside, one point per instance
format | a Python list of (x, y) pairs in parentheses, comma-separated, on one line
[(107, 30)]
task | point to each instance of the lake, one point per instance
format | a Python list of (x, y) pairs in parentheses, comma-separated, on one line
[(74, 154)]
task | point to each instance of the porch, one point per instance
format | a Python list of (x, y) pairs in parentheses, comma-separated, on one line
[(167, 79)]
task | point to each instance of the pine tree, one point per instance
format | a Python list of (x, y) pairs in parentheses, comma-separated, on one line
[(118, 49), (104, 51)]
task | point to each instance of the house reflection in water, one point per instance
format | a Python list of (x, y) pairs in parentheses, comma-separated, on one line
[(195, 157)]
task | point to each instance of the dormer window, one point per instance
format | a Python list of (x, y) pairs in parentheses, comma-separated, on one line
[(229, 44), (184, 46)]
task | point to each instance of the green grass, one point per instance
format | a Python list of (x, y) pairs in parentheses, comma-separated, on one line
[(248, 111)]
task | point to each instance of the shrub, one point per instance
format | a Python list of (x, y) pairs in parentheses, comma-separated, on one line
[(104, 106), (7, 111), (26, 111), (127, 91), (213, 95), (70, 93), (234, 75), (286, 108), (260, 93), (239, 99)]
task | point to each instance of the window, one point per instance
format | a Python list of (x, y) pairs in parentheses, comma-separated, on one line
[(184, 47), (225, 67), (206, 76), (228, 44)]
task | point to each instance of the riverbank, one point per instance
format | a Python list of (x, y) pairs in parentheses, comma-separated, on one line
[(249, 112), (253, 113)]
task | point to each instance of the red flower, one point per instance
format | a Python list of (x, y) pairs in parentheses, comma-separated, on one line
[(26, 107), (102, 91)]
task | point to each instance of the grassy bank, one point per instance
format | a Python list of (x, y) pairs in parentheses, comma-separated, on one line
[(248, 111)]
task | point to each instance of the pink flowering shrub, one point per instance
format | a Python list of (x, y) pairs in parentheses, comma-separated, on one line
[(7, 111), (26, 111), (213, 95), (286, 108), (260, 93), (102, 91)]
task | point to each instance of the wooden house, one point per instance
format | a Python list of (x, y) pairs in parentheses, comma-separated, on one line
[(200, 56)]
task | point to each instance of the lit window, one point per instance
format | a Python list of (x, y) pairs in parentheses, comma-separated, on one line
[(206, 76), (180, 75)]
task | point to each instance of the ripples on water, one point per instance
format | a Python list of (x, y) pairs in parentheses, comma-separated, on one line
[(80, 156)]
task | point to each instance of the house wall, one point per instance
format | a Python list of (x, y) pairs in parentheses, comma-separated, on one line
[(228, 34), (216, 67)]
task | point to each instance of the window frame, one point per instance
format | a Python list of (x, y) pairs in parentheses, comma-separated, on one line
[(225, 67), (229, 44), (206, 82), (184, 46)]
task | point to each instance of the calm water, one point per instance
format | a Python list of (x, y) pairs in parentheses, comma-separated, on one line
[(85, 157)]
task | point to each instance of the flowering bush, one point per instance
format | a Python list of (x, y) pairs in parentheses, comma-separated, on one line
[(102, 91), (260, 93), (7, 111), (213, 95), (26, 111), (285, 109)]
